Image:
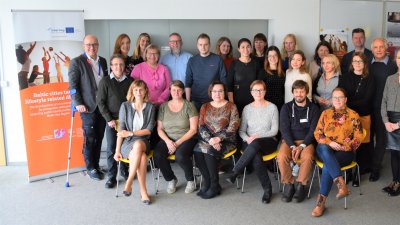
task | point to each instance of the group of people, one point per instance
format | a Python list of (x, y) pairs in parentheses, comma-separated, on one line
[(206, 105)]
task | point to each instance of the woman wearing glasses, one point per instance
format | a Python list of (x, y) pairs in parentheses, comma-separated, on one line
[(360, 91), (241, 74), (338, 133), (155, 75), (258, 128), (218, 123)]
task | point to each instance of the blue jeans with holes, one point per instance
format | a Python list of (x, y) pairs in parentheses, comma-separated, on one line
[(333, 161)]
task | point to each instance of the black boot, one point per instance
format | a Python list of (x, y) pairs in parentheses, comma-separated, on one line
[(288, 193), (212, 192), (266, 198), (204, 188), (300, 193)]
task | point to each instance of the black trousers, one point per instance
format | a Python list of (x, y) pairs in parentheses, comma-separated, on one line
[(378, 128), (183, 156), (253, 153), (208, 166), (93, 125), (111, 136), (395, 162)]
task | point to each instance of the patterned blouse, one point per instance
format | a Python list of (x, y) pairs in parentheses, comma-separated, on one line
[(340, 126), (221, 122)]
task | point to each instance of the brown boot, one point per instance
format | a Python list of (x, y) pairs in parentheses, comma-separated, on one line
[(343, 189), (320, 207)]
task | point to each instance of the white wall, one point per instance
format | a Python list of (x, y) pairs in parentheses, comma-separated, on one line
[(300, 17)]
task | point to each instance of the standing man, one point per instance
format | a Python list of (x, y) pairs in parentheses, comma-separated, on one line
[(358, 39), (381, 67), (85, 73), (112, 93), (298, 119), (202, 69), (176, 60)]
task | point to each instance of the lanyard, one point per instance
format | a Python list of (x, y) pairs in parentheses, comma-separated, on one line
[(308, 108), (91, 64)]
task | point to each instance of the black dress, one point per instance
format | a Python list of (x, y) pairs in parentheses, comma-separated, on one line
[(240, 77), (275, 87)]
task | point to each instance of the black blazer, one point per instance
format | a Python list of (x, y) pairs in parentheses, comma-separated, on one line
[(81, 78)]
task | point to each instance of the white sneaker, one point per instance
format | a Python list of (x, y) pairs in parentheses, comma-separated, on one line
[(190, 187), (172, 186)]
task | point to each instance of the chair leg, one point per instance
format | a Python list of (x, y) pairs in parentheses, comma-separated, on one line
[(158, 180), (312, 180), (234, 164), (244, 177), (345, 181), (277, 174), (151, 161), (194, 173), (118, 174), (359, 178)]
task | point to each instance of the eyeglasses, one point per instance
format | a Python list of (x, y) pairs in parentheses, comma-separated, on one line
[(217, 92), (152, 54), (257, 91), (358, 61), (95, 45), (338, 98), (175, 41)]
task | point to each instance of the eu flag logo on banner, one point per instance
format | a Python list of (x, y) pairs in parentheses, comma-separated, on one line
[(69, 30)]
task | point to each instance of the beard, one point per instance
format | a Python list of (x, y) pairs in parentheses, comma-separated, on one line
[(300, 100)]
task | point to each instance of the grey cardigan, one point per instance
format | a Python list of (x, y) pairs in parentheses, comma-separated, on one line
[(391, 97), (127, 112)]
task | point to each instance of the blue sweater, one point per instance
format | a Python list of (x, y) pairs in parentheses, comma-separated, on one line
[(201, 72)]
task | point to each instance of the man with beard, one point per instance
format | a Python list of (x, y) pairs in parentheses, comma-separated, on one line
[(298, 119), (176, 60)]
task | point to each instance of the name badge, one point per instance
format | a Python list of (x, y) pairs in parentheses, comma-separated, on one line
[(303, 120)]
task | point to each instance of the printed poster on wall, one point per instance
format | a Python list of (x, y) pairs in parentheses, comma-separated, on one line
[(393, 32), (338, 40), (45, 42)]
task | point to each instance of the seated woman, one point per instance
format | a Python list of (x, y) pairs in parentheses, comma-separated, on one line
[(258, 128), (315, 67), (176, 126), (390, 112), (218, 123), (338, 133), (326, 82), (360, 88), (136, 121), (155, 75)]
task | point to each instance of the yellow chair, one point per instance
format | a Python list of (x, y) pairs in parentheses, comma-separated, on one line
[(319, 164), (266, 158), (150, 160)]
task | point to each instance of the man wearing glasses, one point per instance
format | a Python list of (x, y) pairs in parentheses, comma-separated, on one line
[(85, 73), (298, 119), (358, 39), (176, 60)]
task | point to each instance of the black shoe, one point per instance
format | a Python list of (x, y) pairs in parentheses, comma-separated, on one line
[(127, 193), (94, 174), (232, 179), (211, 193), (374, 176), (300, 193), (389, 188), (395, 190), (101, 173), (356, 180), (266, 198), (146, 202), (288, 193), (111, 182)]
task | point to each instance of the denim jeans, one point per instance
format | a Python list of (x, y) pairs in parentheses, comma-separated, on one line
[(111, 136), (333, 161)]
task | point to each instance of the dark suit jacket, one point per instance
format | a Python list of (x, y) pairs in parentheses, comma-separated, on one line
[(81, 78)]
